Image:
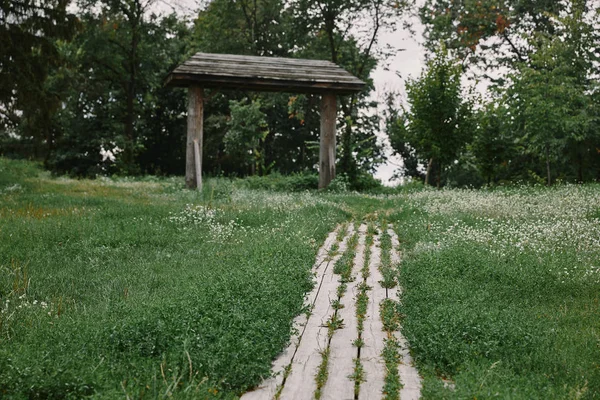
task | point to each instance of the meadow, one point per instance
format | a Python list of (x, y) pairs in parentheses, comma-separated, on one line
[(139, 288)]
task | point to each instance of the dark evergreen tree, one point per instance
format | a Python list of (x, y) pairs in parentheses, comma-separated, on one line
[(30, 33)]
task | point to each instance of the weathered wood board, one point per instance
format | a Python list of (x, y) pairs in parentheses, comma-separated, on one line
[(373, 334), (264, 74)]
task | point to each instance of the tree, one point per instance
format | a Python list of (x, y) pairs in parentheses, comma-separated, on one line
[(492, 148), (247, 132), (396, 126), (438, 123), (327, 24), (249, 27), (488, 33), (113, 94), (30, 31), (551, 97)]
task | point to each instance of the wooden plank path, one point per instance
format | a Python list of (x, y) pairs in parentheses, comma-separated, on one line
[(301, 383), (297, 366)]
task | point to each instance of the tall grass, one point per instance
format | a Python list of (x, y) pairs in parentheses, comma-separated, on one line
[(501, 292), (142, 289)]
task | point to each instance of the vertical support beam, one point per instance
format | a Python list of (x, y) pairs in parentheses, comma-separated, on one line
[(327, 143), (195, 128)]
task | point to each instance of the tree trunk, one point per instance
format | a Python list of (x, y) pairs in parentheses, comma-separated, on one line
[(330, 29), (580, 168), (439, 176), (548, 165), (131, 86), (428, 171), (129, 121), (346, 159)]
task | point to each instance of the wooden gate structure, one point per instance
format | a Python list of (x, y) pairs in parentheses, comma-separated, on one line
[(270, 74)]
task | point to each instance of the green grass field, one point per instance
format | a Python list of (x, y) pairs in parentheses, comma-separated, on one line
[(138, 288)]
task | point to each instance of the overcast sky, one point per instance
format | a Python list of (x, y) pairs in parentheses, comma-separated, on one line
[(406, 63)]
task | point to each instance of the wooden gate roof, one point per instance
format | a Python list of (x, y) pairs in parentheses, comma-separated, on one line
[(264, 74)]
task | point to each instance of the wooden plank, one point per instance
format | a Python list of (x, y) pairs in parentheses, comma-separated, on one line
[(266, 60), (373, 334), (301, 384), (184, 80), (395, 252), (194, 133), (268, 388), (259, 81), (259, 59), (263, 75), (265, 64), (327, 140), (198, 164), (409, 376), (203, 66), (341, 350), (301, 76)]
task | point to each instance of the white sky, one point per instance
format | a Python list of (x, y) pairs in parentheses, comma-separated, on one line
[(405, 64)]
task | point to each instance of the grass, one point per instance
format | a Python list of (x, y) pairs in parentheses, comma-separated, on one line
[(144, 289), (361, 305), (509, 286), (139, 288)]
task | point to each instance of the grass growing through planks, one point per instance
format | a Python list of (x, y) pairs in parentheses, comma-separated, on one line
[(342, 267), (322, 372), (139, 288), (362, 302), (388, 312), (388, 271)]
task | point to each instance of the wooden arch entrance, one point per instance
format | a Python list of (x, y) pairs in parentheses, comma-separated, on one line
[(271, 74)]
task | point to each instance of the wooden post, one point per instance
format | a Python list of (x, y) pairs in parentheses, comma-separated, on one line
[(195, 128), (198, 164), (327, 144)]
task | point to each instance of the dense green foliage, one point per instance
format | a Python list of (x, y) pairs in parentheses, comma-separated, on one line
[(31, 32), (540, 120), (438, 124)]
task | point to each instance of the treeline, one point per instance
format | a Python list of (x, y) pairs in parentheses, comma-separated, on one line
[(82, 88), (82, 84), (539, 120)]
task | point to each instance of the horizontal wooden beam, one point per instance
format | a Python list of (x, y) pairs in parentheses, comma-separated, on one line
[(186, 80)]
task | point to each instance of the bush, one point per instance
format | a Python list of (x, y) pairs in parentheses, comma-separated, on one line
[(341, 183), (365, 182), (281, 183)]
